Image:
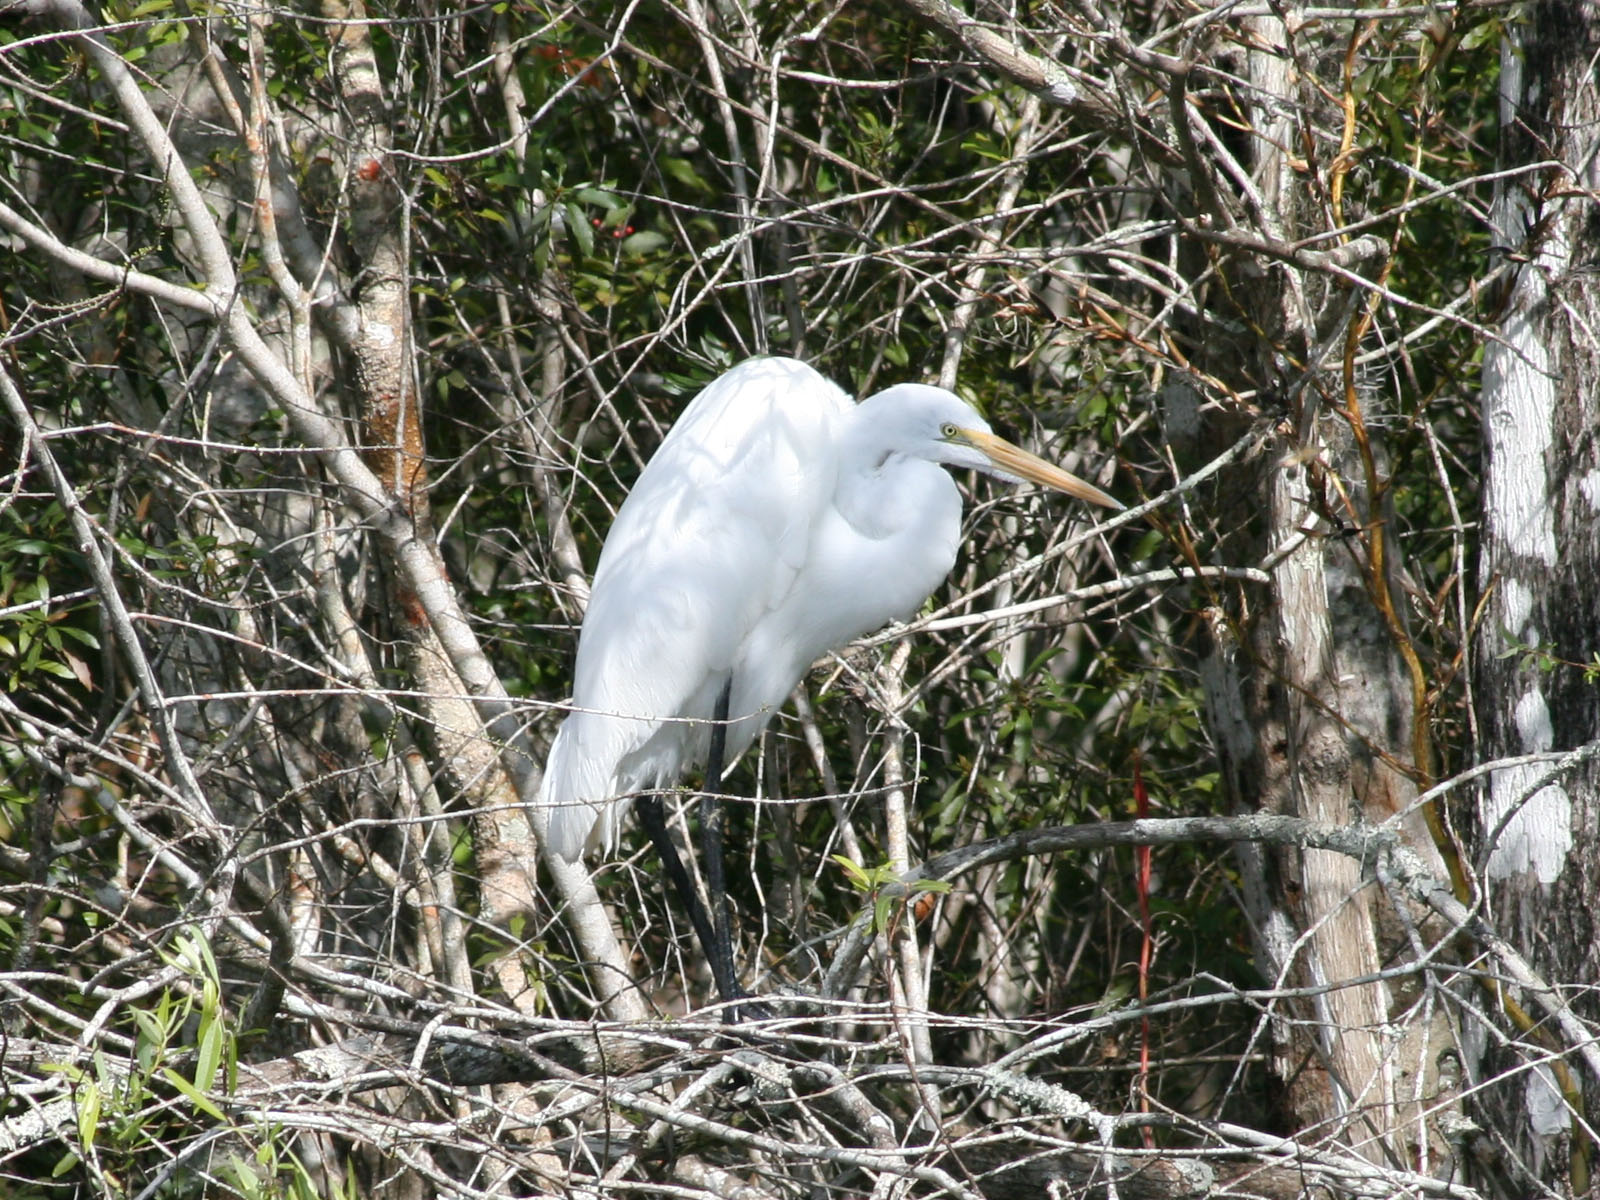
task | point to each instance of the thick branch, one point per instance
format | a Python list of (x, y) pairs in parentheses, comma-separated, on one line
[(1378, 851), (1045, 79)]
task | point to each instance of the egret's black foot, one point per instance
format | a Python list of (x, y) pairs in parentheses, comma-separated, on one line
[(748, 1010), (744, 1011)]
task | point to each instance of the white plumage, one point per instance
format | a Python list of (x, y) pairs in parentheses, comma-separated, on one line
[(777, 521)]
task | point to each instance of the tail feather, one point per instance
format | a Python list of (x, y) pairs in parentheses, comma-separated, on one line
[(570, 820), (580, 786)]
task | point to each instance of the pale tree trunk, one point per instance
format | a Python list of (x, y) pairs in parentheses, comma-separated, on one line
[(1336, 913), (1338, 1082), (1539, 575), (468, 753), (1306, 692), (382, 355)]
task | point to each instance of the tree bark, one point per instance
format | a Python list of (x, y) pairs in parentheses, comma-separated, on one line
[(1274, 670), (1539, 562)]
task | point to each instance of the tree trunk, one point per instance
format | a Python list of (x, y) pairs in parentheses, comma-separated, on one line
[(1540, 560), (1287, 727)]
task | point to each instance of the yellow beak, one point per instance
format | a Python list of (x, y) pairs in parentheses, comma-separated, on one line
[(1014, 460)]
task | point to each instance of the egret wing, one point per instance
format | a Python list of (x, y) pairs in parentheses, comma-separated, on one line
[(712, 538)]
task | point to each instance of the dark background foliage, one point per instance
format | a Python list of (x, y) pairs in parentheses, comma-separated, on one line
[(1236, 248)]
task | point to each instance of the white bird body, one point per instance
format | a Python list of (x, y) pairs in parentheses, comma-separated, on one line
[(777, 521)]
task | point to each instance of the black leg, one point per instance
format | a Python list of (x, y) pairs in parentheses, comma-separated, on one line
[(653, 817), (721, 952), (714, 929)]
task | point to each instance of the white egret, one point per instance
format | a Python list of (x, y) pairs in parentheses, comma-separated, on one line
[(778, 521)]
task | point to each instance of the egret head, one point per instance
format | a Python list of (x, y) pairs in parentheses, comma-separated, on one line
[(932, 423)]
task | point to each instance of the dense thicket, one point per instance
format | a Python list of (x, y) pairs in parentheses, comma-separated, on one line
[(330, 340)]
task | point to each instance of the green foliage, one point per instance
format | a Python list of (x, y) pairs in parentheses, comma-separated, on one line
[(40, 636), (872, 882), (1542, 657), (185, 1064)]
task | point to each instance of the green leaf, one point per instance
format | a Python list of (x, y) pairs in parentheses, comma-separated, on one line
[(983, 145), (643, 242), (859, 878), (880, 912), (202, 951), (209, 1056), (682, 170), (578, 227), (245, 1179), (1149, 542), (199, 1099), (89, 1100), (600, 199), (1480, 35), (1118, 991)]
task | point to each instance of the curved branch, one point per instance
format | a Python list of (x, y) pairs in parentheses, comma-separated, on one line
[(1380, 851)]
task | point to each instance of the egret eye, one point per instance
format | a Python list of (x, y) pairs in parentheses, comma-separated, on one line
[(948, 431)]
